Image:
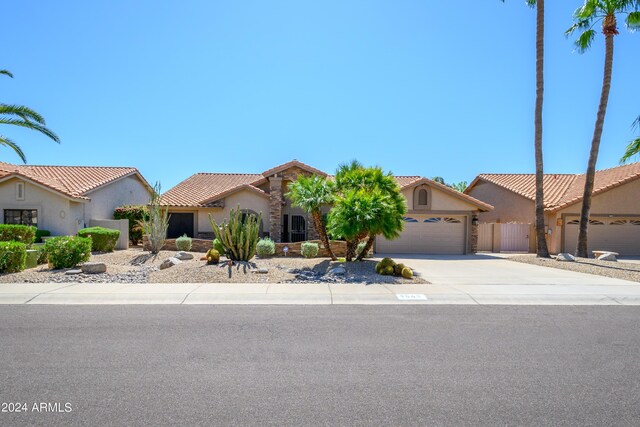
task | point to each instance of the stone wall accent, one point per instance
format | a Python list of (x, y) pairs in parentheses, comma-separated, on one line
[(473, 237), (275, 208), (312, 234), (197, 245), (339, 248)]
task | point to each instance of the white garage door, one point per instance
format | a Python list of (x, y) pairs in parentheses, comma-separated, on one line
[(615, 234), (425, 234)]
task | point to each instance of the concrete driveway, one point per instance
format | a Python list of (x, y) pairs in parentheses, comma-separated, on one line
[(487, 269)]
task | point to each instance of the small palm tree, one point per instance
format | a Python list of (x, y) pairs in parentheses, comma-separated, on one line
[(586, 17), (21, 116), (310, 193), (633, 149)]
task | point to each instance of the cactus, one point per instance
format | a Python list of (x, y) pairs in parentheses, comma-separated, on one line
[(382, 266), (238, 237), (218, 246), (407, 273), (387, 271), (213, 256), (397, 269)]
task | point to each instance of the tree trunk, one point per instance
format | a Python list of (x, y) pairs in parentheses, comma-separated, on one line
[(367, 247), (352, 245), (542, 249), (318, 223), (581, 250)]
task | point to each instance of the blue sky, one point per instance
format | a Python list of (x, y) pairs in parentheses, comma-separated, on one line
[(418, 87)]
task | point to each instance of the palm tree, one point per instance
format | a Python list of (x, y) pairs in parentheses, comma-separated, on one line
[(542, 250), (633, 148), (19, 115), (586, 17), (310, 193)]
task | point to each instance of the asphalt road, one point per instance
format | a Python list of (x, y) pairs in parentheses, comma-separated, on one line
[(321, 365)]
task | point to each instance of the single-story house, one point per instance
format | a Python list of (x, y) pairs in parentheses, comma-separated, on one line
[(64, 199), (615, 209), (439, 220)]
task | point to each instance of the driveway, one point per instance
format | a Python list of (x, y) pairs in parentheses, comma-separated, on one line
[(487, 269)]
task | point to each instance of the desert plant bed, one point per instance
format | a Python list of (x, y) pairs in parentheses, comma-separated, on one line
[(617, 270), (138, 266)]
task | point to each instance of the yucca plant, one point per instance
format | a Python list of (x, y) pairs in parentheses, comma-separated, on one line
[(238, 235)]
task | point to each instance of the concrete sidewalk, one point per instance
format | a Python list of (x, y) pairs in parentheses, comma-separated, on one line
[(622, 293)]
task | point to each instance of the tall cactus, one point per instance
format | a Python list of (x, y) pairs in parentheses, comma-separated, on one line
[(238, 237)]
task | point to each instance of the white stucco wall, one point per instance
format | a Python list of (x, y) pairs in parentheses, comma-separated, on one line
[(126, 191), (55, 213)]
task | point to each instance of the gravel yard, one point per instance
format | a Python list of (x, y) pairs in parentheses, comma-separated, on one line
[(137, 266), (617, 270)]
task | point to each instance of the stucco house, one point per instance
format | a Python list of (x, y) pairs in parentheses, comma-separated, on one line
[(615, 209), (440, 220), (64, 199)]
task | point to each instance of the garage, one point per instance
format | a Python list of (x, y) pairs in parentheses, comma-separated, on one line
[(426, 234), (611, 233)]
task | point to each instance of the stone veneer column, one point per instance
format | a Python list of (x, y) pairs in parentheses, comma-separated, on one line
[(312, 234), (473, 244), (275, 208)]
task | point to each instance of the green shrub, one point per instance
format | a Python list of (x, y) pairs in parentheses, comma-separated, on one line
[(213, 256), (309, 249), (183, 243), (407, 273), (42, 254), (17, 233), (135, 214), (218, 246), (103, 239), (67, 251), (40, 234), (265, 247), (13, 256)]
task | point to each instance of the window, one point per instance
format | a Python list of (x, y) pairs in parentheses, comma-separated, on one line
[(422, 197), (19, 190), (441, 220), (408, 219), (21, 216)]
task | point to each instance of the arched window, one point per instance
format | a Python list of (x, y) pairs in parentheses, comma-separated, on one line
[(422, 197)]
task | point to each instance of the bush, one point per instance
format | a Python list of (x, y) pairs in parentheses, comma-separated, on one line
[(40, 234), (213, 256), (67, 251), (265, 247), (13, 256), (218, 246), (103, 239), (309, 249), (183, 243), (135, 214), (42, 255), (17, 233)]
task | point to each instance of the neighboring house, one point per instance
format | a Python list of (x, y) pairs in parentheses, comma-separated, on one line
[(439, 219), (64, 199), (615, 209)]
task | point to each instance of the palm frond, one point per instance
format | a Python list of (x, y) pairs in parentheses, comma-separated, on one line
[(6, 73), (633, 149), (585, 40), (30, 125), (633, 21), (9, 143), (636, 123), (25, 113)]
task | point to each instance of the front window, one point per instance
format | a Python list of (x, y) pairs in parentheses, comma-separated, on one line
[(21, 216)]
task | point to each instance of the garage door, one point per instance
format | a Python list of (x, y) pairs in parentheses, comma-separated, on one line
[(424, 234), (615, 234)]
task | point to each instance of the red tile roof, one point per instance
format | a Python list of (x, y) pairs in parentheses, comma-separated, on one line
[(71, 181), (562, 190)]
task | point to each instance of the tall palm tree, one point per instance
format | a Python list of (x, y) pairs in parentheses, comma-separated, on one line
[(21, 116), (633, 148), (542, 250), (586, 17), (310, 193)]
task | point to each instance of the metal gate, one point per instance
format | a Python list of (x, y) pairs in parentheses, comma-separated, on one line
[(298, 228), (514, 237)]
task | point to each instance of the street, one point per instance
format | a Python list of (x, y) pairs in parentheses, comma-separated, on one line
[(321, 365)]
